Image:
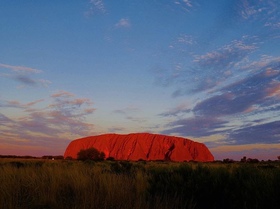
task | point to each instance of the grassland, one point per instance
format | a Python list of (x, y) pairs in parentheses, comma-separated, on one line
[(47, 184)]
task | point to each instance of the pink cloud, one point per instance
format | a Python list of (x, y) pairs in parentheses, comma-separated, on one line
[(62, 94), (274, 90)]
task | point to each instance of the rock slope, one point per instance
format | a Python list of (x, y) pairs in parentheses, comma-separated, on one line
[(143, 146)]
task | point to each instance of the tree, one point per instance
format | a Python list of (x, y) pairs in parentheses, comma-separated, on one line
[(278, 157), (90, 154), (244, 159)]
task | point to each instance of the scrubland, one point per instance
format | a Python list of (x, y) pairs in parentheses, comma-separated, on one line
[(47, 184)]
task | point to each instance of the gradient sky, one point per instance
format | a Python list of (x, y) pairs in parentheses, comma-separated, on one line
[(204, 70)]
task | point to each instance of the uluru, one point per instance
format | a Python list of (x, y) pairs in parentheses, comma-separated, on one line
[(142, 146)]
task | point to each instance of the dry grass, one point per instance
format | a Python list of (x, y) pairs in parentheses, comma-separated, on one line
[(28, 184)]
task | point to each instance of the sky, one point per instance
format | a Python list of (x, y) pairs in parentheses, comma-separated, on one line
[(204, 70)]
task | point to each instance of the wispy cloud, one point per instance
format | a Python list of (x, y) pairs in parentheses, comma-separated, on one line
[(249, 9), (256, 8), (123, 23), (265, 12), (17, 104), (95, 6), (19, 69), (195, 126), (130, 113), (180, 109), (25, 80), (186, 5), (65, 104), (62, 93), (24, 75), (116, 129), (127, 110), (226, 56)]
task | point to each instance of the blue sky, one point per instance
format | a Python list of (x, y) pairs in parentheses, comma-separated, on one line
[(204, 70)]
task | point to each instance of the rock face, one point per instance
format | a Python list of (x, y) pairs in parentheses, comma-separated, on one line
[(143, 146)]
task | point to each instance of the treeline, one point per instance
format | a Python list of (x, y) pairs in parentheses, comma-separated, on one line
[(55, 157)]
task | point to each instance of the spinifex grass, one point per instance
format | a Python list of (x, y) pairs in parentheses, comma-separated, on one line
[(126, 185)]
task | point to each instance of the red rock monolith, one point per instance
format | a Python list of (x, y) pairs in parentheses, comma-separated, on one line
[(142, 146)]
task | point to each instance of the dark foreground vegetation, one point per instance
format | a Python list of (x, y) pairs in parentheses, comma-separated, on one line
[(72, 184)]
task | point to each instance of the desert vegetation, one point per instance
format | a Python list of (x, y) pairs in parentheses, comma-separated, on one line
[(90, 154), (74, 184)]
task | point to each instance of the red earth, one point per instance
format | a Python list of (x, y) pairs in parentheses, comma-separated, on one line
[(142, 146)]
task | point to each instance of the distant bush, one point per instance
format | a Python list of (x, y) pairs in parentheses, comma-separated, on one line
[(110, 158), (90, 154), (254, 160), (227, 160)]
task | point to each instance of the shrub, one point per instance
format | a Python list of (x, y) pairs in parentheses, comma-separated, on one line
[(110, 158), (90, 154)]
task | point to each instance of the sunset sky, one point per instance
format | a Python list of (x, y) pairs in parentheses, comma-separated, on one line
[(205, 70)]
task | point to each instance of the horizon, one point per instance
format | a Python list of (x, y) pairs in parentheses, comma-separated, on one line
[(202, 70)]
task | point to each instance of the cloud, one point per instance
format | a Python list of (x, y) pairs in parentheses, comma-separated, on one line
[(185, 5), (95, 6), (186, 39), (20, 69), (248, 9), (275, 25), (66, 105), (25, 80), (227, 56), (4, 120), (24, 75), (43, 82), (17, 104), (123, 23), (130, 113), (240, 111), (274, 90), (98, 4), (258, 9), (195, 126), (63, 118), (180, 109), (62, 94), (237, 97), (263, 12), (116, 129), (263, 133), (256, 89), (136, 119), (128, 110), (28, 81), (195, 73)]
